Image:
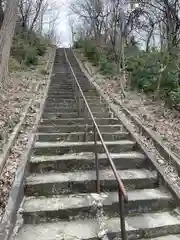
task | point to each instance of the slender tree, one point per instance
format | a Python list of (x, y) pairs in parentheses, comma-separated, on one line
[(6, 36)]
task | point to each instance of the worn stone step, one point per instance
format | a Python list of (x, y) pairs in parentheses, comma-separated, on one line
[(66, 230), (60, 148), (67, 207), (147, 225), (73, 109), (61, 78), (60, 90), (48, 184), (71, 101), (102, 121), (61, 110), (61, 97), (60, 115), (86, 161), (167, 237), (79, 128), (59, 87), (72, 104), (81, 136), (61, 93), (66, 82), (58, 103), (64, 95)]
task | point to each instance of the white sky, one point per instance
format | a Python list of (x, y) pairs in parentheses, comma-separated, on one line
[(63, 30)]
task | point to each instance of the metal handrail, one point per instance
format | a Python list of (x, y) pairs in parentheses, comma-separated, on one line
[(123, 197)]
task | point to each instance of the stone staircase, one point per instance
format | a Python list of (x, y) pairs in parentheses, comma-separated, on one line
[(60, 200)]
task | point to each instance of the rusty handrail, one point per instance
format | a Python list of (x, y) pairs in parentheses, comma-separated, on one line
[(121, 189)]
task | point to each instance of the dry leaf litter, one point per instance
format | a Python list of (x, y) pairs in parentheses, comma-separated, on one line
[(153, 114), (14, 100)]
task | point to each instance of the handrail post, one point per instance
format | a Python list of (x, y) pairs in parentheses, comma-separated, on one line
[(122, 215), (97, 161), (79, 105), (74, 87), (76, 97), (86, 122)]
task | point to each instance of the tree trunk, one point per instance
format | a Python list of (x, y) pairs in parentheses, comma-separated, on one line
[(6, 36), (149, 38), (38, 9), (1, 13)]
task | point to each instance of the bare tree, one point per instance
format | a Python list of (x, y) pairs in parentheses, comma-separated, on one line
[(52, 15), (1, 13), (6, 36), (38, 6), (31, 11), (25, 8)]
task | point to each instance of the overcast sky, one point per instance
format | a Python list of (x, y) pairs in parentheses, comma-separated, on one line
[(63, 29)]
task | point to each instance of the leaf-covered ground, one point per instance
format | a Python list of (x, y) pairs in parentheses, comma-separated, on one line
[(154, 114), (13, 101)]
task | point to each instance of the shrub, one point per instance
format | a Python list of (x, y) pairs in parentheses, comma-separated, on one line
[(31, 56), (18, 49), (26, 48), (43, 71), (106, 66), (174, 97), (40, 46), (91, 51), (78, 44), (145, 72)]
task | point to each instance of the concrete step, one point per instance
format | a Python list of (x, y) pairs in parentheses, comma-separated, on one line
[(68, 230), (70, 93), (67, 81), (78, 128), (61, 110), (60, 97), (60, 115), (48, 184), (60, 148), (168, 237), (73, 109), (148, 225), (85, 161), (81, 136), (71, 101), (61, 92), (59, 87), (67, 207), (72, 104), (102, 121), (65, 94)]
